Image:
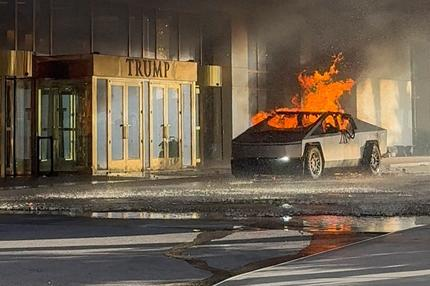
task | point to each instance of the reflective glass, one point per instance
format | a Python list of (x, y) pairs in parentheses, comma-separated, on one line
[(25, 25), (149, 34), (167, 36), (101, 124), (186, 125), (189, 35), (146, 122), (45, 118), (110, 30), (67, 125), (10, 99), (157, 122), (7, 24), (173, 100), (23, 127), (42, 26), (133, 122), (71, 29), (136, 33), (117, 123)]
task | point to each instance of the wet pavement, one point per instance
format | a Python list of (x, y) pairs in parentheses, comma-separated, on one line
[(399, 258), (222, 196), (50, 250), (192, 229)]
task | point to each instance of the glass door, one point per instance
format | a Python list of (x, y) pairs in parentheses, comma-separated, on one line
[(165, 125), (18, 112), (125, 130), (65, 128), (57, 108), (134, 129)]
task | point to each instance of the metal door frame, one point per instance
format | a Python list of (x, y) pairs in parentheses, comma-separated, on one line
[(126, 164), (2, 126), (165, 162), (54, 101), (11, 143)]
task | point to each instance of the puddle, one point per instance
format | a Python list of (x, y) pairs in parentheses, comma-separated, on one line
[(146, 215), (314, 234), (312, 224), (349, 224)]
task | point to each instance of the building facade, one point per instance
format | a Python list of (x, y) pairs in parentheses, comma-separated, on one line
[(114, 87), (130, 87)]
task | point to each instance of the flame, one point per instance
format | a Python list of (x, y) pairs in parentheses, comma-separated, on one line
[(320, 93)]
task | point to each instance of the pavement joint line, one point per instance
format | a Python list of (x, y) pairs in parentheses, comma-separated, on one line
[(417, 164), (177, 252), (320, 253)]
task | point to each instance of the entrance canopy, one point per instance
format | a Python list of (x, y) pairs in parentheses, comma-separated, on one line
[(143, 112), (66, 67)]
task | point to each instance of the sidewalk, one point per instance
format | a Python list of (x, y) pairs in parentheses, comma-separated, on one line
[(400, 258), (392, 165), (26, 182), (215, 192), (411, 165)]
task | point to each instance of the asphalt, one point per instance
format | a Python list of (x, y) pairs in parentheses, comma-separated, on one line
[(399, 258), (402, 189), (60, 251), (49, 250)]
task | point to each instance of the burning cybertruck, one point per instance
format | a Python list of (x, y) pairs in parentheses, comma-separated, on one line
[(309, 143)]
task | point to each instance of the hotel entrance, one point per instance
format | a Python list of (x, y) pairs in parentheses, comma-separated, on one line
[(99, 114), (16, 113), (62, 134), (124, 127), (17, 126), (57, 128), (149, 126), (165, 117), (144, 115)]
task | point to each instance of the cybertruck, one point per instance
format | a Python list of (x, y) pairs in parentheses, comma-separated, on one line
[(308, 143)]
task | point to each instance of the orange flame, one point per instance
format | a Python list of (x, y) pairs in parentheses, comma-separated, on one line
[(320, 93)]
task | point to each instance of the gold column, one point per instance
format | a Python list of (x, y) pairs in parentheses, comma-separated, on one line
[(2, 128)]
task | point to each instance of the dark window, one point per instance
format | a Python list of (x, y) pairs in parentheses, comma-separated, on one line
[(71, 27), (110, 28), (257, 72), (25, 25), (149, 34), (136, 32), (42, 8), (167, 36), (7, 24), (189, 38)]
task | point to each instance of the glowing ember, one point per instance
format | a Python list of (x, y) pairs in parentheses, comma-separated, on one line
[(320, 93)]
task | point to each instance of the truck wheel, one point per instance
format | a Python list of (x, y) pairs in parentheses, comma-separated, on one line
[(372, 159), (314, 162)]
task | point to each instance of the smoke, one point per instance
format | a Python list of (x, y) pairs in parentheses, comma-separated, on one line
[(385, 44), (318, 29)]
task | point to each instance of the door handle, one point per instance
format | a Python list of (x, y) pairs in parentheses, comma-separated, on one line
[(124, 131), (165, 131)]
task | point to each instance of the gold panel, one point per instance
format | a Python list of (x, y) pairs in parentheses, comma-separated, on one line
[(212, 76), (140, 68), (106, 66), (16, 63)]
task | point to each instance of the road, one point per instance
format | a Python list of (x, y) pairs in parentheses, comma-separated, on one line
[(49, 250), (401, 258), (220, 196)]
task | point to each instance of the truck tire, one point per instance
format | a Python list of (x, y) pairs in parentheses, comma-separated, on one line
[(314, 162), (372, 159)]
